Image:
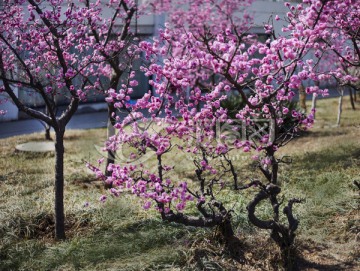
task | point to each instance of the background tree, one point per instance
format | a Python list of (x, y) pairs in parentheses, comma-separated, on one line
[(338, 38), (112, 39), (44, 49)]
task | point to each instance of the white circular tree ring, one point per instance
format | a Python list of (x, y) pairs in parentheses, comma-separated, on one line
[(36, 146)]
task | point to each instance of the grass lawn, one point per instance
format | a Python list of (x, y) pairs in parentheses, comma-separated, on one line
[(120, 235)]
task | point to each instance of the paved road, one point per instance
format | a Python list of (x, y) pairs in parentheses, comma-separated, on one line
[(28, 126)]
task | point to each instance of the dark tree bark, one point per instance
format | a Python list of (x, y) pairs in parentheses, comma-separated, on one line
[(110, 132), (192, 221), (226, 229), (47, 126), (222, 219), (59, 185), (356, 93), (283, 235), (352, 98), (47, 133)]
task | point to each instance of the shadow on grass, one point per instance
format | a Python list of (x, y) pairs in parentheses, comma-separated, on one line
[(157, 242), (303, 264), (329, 159), (149, 238), (315, 256), (12, 257), (322, 133)]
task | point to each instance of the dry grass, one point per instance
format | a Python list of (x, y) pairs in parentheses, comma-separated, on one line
[(119, 235)]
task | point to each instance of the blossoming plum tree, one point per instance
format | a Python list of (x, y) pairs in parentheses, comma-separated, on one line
[(203, 54), (197, 60)]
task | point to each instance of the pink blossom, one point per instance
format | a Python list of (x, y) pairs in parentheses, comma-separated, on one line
[(147, 205), (103, 198)]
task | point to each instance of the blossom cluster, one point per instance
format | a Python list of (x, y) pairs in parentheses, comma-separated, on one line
[(58, 47)]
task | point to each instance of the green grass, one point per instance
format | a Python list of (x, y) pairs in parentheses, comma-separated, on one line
[(120, 235)]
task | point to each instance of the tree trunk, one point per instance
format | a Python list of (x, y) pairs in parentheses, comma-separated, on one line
[(314, 98), (226, 230), (111, 131), (47, 126), (341, 91), (289, 257), (59, 185), (313, 104), (302, 98), (352, 98), (47, 132)]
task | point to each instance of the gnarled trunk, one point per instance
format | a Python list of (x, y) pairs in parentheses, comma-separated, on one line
[(283, 235), (221, 220)]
